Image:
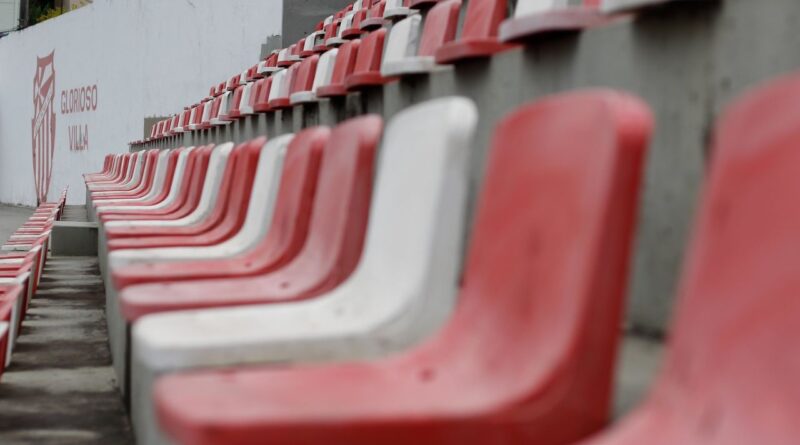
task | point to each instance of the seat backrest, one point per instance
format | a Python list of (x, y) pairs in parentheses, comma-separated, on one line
[(345, 62), (262, 94), (416, 223), (341, 205), (325, 66), (235, 103), (289, 223), (733, 341), (370, 53), (230, 202), (483, 18), (440, 27), (547, 264), (304, 77)]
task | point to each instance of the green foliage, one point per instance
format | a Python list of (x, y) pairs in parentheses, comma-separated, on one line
[(42, 10)]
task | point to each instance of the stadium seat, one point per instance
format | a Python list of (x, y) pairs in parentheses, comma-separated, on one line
[(374, 18), (536, 327), (344, 24), (280, 88), (535, 17), (269, 65), (354, 30), (367, 68), (403, 287), (410, 49), (342, 69), (478, 36), (302, 88), (263, 89), (335, 233)]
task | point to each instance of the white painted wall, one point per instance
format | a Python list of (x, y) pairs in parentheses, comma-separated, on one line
[(9, 15), (147, 58)]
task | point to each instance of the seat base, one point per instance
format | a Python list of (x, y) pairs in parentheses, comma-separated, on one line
[(566, 20), (282, 102), (335, 41), (397, 13), (469, 49), (372, 24), (412, 65), (361, 80), (331, 91), (303, 97)]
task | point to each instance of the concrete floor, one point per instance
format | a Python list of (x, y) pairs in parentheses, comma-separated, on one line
[(11, 217), (60, 387)]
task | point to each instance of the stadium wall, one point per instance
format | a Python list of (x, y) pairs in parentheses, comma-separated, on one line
[(113, 63)]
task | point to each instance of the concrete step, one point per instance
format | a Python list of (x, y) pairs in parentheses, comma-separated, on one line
[(60, 387)]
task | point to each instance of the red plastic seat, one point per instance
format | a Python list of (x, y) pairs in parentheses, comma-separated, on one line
[(527, 356), (236, 101), (367, 69), (374, 18), (345, 64), (222, 223), (730, 371), (261, 95), (331, 251), (286, 234), (478, 34), (331, 31), (303, 80)]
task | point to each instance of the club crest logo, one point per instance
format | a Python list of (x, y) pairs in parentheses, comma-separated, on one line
[(43, 125)]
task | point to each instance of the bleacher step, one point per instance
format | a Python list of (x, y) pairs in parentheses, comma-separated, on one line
[(60, 388)]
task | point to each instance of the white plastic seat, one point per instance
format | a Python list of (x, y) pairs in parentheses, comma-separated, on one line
[(245, 107), (285, 55), (312, 40), (402, 290), (280, 87)]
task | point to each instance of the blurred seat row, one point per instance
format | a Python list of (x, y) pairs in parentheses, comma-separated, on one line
[(372, 42), (309, 288), (22, 260), (337, 285)]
